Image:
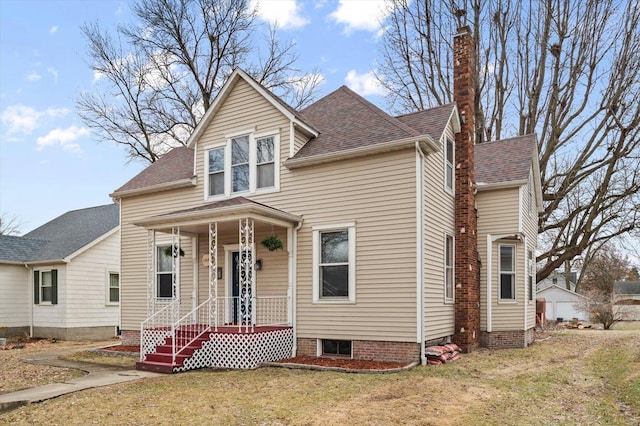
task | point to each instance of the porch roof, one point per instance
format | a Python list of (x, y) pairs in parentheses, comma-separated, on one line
[(221, 211)]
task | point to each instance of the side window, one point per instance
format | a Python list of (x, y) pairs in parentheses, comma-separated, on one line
[(114, 288), (507, 272), (265, 162), (334, 264), (449, 160), (45, 287), (448, 268)]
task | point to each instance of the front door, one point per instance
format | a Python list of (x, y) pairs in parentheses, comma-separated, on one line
[(241, 305)]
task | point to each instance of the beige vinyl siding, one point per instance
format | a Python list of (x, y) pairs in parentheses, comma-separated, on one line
[(439, 214), (498, 215), (87, 283), (46, 314), (15, 299), (530, 229), (378, 194)]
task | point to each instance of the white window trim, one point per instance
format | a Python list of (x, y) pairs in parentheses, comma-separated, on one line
[(449, 300), (351, 229), (453, 165), (253, 178), (108, 301), (513, 273), (43, 302)]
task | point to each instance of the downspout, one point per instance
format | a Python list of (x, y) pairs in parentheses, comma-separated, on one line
[(420, 253), (293, 252), (489, 284), (525, 299), (31, 296)]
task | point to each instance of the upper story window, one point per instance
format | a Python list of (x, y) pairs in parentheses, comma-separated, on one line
[(245, 163), (449, 156)]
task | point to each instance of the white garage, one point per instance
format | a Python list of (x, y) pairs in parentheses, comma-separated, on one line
[(560, 303)]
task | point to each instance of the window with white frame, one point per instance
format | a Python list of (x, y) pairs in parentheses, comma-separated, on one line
[(530, 274), (507, 272), (246, 163), (448, 268), (164, 272), (449, 156), (114, 288), (334, 263), (45, 287)]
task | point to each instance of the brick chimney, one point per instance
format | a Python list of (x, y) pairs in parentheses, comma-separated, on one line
[(467, 277)]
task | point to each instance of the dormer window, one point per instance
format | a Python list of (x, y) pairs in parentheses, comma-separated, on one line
[(246, 163)]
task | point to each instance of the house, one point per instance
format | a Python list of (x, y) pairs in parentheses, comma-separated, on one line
[(396, 232), (561, 304), (559, 278), (627, 293), (61, 280)]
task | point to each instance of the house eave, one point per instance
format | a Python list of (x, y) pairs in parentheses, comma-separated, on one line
[(483, 186), (166, 186), (219, 215), (426, 143)]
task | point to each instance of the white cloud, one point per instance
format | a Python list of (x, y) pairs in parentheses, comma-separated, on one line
[(53, 29), (23, 119), (360, 15), (286, 13), (364, 84), (54, 73), (63, 137), (20, 119), (33, 76)]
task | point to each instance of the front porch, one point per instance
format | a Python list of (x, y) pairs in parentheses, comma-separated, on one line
[(210, 301)]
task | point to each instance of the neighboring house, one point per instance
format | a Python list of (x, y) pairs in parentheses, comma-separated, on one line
[(377, 215), (61, 280), (559, 278), (561, 304), (627, 293)]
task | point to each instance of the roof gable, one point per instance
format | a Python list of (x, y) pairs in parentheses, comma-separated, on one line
[(506, 160), (228, 87), (432, 121)]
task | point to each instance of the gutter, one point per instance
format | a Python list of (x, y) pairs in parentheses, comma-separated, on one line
[(425, 143), (181, 183), (483, 186)]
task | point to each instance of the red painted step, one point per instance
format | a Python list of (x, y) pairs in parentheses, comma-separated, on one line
[(161, 360)]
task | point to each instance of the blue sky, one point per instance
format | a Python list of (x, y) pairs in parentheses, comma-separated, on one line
[(49, 161)]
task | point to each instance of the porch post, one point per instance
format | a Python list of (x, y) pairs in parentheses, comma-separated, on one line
[(247, 275), (151, 271), (213, 273), (175, 271)]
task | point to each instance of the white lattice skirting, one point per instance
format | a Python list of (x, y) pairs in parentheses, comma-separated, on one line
[(241, 351)]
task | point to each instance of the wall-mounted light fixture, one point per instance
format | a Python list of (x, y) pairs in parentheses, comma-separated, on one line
[(258, 264), (219, 272)]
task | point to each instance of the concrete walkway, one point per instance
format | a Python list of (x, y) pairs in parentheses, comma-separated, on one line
[(98, 375)]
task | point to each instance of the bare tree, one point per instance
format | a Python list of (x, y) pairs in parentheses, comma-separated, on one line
[(602, 308), (158, 75), (9, 225), (568, 70)]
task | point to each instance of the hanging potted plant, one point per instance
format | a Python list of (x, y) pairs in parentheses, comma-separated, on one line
[(272, 243), (172, 251)]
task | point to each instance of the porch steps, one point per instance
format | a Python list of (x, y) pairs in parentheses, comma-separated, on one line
[(161, 360)]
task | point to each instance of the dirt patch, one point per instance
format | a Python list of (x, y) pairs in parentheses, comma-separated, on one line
[(347, 363), (122, 348)]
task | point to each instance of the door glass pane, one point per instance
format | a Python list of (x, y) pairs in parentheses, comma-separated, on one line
[(335, 247)]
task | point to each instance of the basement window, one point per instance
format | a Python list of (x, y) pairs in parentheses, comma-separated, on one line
[(336, 347)]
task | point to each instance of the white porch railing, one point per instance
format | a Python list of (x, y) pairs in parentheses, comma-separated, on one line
[(208, 316)]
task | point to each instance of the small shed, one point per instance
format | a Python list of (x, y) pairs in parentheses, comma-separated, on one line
[(560, 303)]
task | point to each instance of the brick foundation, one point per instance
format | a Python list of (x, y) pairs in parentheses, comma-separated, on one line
[(507, 339), (369, 350), (130, 337)]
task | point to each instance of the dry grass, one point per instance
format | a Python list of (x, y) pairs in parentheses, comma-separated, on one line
[(581, 377)]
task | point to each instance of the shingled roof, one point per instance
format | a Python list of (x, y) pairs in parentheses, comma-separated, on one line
[(506, 160), (175, 165), (626, 287), (62, 236)]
